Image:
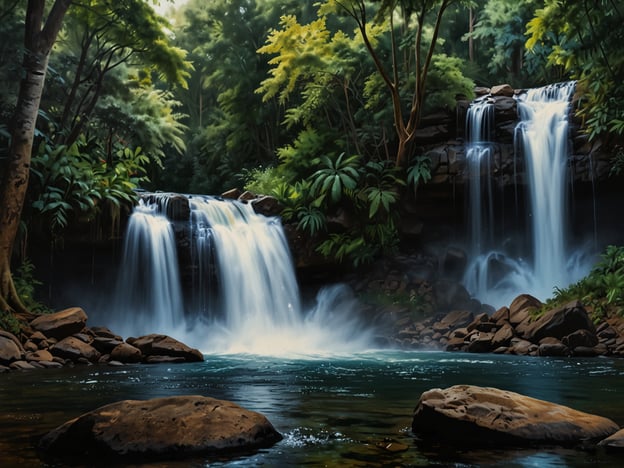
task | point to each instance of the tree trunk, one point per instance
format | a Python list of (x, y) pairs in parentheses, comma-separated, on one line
[(38, 44)]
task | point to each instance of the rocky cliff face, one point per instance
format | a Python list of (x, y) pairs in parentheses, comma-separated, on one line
[(441, 203), (447, 149)]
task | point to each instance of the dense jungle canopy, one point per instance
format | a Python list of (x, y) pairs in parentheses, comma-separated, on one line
[(314, 102)]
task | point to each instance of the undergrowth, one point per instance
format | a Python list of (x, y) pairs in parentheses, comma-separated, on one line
[(26, 285), (601, 291)]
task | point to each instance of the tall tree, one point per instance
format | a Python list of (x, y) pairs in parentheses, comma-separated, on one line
[(499, 35), (230, 129), (102, 36), (413, 17), (40, 35)]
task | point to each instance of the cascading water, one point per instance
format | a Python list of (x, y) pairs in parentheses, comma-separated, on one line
[(148, 298), (543, 135), (245, 297), (542, 139), (479, 125)]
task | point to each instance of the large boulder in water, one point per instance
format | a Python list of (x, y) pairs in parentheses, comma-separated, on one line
[(161, 428), (483, 416), (61, 324)]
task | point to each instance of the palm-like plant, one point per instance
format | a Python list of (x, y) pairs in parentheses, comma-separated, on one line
[(335, 177), (382, 182)]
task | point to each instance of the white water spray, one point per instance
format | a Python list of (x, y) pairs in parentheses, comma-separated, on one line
[(543, 133), (496, 277), (147, 297), (479, 125), (242, 258)]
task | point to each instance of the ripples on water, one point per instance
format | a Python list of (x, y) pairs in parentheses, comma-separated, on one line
[(332, 411)]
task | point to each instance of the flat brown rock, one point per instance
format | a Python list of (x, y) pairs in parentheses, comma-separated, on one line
[(483, 415), (61, 324), (163, 345), (161, 428)]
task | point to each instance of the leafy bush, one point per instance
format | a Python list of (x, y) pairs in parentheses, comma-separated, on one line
[(75, 181), (263, 180), (335, 178), (26, 285), (382, 183), (602, 290)]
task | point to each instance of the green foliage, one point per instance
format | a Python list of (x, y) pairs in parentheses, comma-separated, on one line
[(299, 206), (499, 36), (144, 115), (343, 246), (418, 172), (335, 178), (602, 290), (9, 322), (419, 300), (128, 31), (71, 181), (263, 180), (25, 285), (445, 81), (617, 162), (586, 43), (300, 158), (382, 182), (311, 220), (368, 193), (230, 128), (300, 50)]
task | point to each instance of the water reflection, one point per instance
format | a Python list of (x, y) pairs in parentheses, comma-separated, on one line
[(334, 412)]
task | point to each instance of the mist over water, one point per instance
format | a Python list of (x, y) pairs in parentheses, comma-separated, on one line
[(245, 297), (496, 276)]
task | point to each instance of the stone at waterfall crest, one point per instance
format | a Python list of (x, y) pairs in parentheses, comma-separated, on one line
[(483, 415), (161, 428)]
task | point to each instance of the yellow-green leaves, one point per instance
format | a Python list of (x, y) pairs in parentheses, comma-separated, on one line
[(301, 50), (585, 44)]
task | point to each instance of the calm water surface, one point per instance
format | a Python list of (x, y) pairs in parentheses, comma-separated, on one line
[(332, 411)]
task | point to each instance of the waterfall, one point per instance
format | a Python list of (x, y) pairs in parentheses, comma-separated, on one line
[(496, 276), (543, 135), (148, 297), (244, 296), (479, 126), (257, 280)]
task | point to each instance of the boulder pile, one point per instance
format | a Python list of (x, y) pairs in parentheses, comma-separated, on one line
[(522, 328), (63, 338)]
